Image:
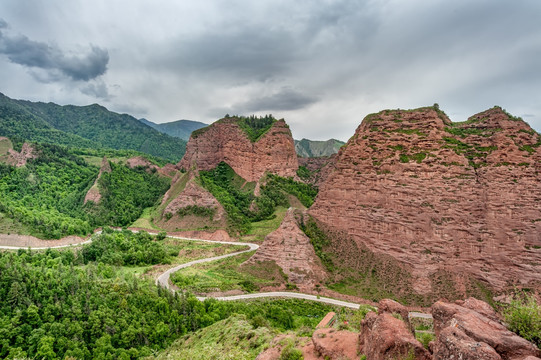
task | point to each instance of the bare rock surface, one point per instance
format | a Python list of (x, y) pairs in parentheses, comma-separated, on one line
[(459, 329), (390, 306), (19, 159), (225, 141), (336, 345), (291, 249), (195, 195), (462, 200), (384, 337), (93, 193)]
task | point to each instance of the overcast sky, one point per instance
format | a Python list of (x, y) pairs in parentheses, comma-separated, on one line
[(321, 65)]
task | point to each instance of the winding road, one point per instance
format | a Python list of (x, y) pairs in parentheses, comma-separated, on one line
[(163, 279)]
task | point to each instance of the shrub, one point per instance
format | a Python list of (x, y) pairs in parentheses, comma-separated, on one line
[(524, 318)]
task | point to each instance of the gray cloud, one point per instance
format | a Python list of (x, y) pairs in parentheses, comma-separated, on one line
[(19, 49), (307, 61), (284, 100)]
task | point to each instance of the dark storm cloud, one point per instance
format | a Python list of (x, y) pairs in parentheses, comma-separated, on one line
[(19, 49)]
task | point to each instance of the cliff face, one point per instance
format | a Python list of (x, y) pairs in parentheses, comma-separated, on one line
[(461, 199), (291, 249), (225, 141)]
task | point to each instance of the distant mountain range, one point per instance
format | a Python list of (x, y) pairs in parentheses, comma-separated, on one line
[(180, 129), (91, 126), (313, 148)]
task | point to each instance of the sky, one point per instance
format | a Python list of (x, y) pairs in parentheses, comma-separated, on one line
[(323, 65)]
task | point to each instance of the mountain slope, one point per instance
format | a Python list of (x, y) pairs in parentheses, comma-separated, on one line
[(180, 128), (90, 126), (312, 148)]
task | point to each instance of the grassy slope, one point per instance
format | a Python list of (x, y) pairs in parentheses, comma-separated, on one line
[(234, 338), (228, 274)]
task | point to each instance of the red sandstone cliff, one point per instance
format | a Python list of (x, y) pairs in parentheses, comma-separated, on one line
[(462, 199), (291, 249), (225, 141)]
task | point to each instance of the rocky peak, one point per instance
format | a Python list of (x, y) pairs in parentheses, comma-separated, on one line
[(458, 199), (291, 249), (250, 154)]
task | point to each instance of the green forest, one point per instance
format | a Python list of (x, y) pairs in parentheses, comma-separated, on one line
[(91, 126), (80, 304), (242, 206), (47, 194)]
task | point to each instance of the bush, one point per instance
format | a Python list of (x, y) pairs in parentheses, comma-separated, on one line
[(524, 318), (291, 353)]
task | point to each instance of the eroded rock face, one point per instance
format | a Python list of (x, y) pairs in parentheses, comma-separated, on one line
[(291, 249), (468, 334), (93, 193), (336, 345), (225, 141), (385, 337), (195, 195), (458, 199)]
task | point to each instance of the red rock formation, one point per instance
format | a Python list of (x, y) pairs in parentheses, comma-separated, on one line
[(225, 141), (332, 344), (468, 334), (385, 337), (460, 199), (194, 194), (93, 193), (291, 249)]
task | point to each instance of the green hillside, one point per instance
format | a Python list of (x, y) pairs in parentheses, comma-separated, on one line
[(46, 197), (90, 126), (312, 148)]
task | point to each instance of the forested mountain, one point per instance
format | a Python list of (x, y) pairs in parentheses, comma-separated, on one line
[(46, 195), (91, 126), (313, 148), (181, 128)]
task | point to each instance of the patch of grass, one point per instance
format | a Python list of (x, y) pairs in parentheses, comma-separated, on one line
[(197, 211), (221, 275), (146, 220), (262, 228)]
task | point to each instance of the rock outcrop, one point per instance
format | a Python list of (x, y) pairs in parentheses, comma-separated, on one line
[(458, 199), (385, 337), (334, 344), (93, 193), (291, 249), (195, 195), (463, 333), (225, 141), (19, 159)]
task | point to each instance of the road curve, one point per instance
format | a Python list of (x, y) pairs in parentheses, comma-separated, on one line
[(284, 294), (163, 279)]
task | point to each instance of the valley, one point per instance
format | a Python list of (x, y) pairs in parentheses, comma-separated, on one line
[(412, 208)]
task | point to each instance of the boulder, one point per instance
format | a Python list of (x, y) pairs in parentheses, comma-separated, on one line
[(476, 327), (385, 337)]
